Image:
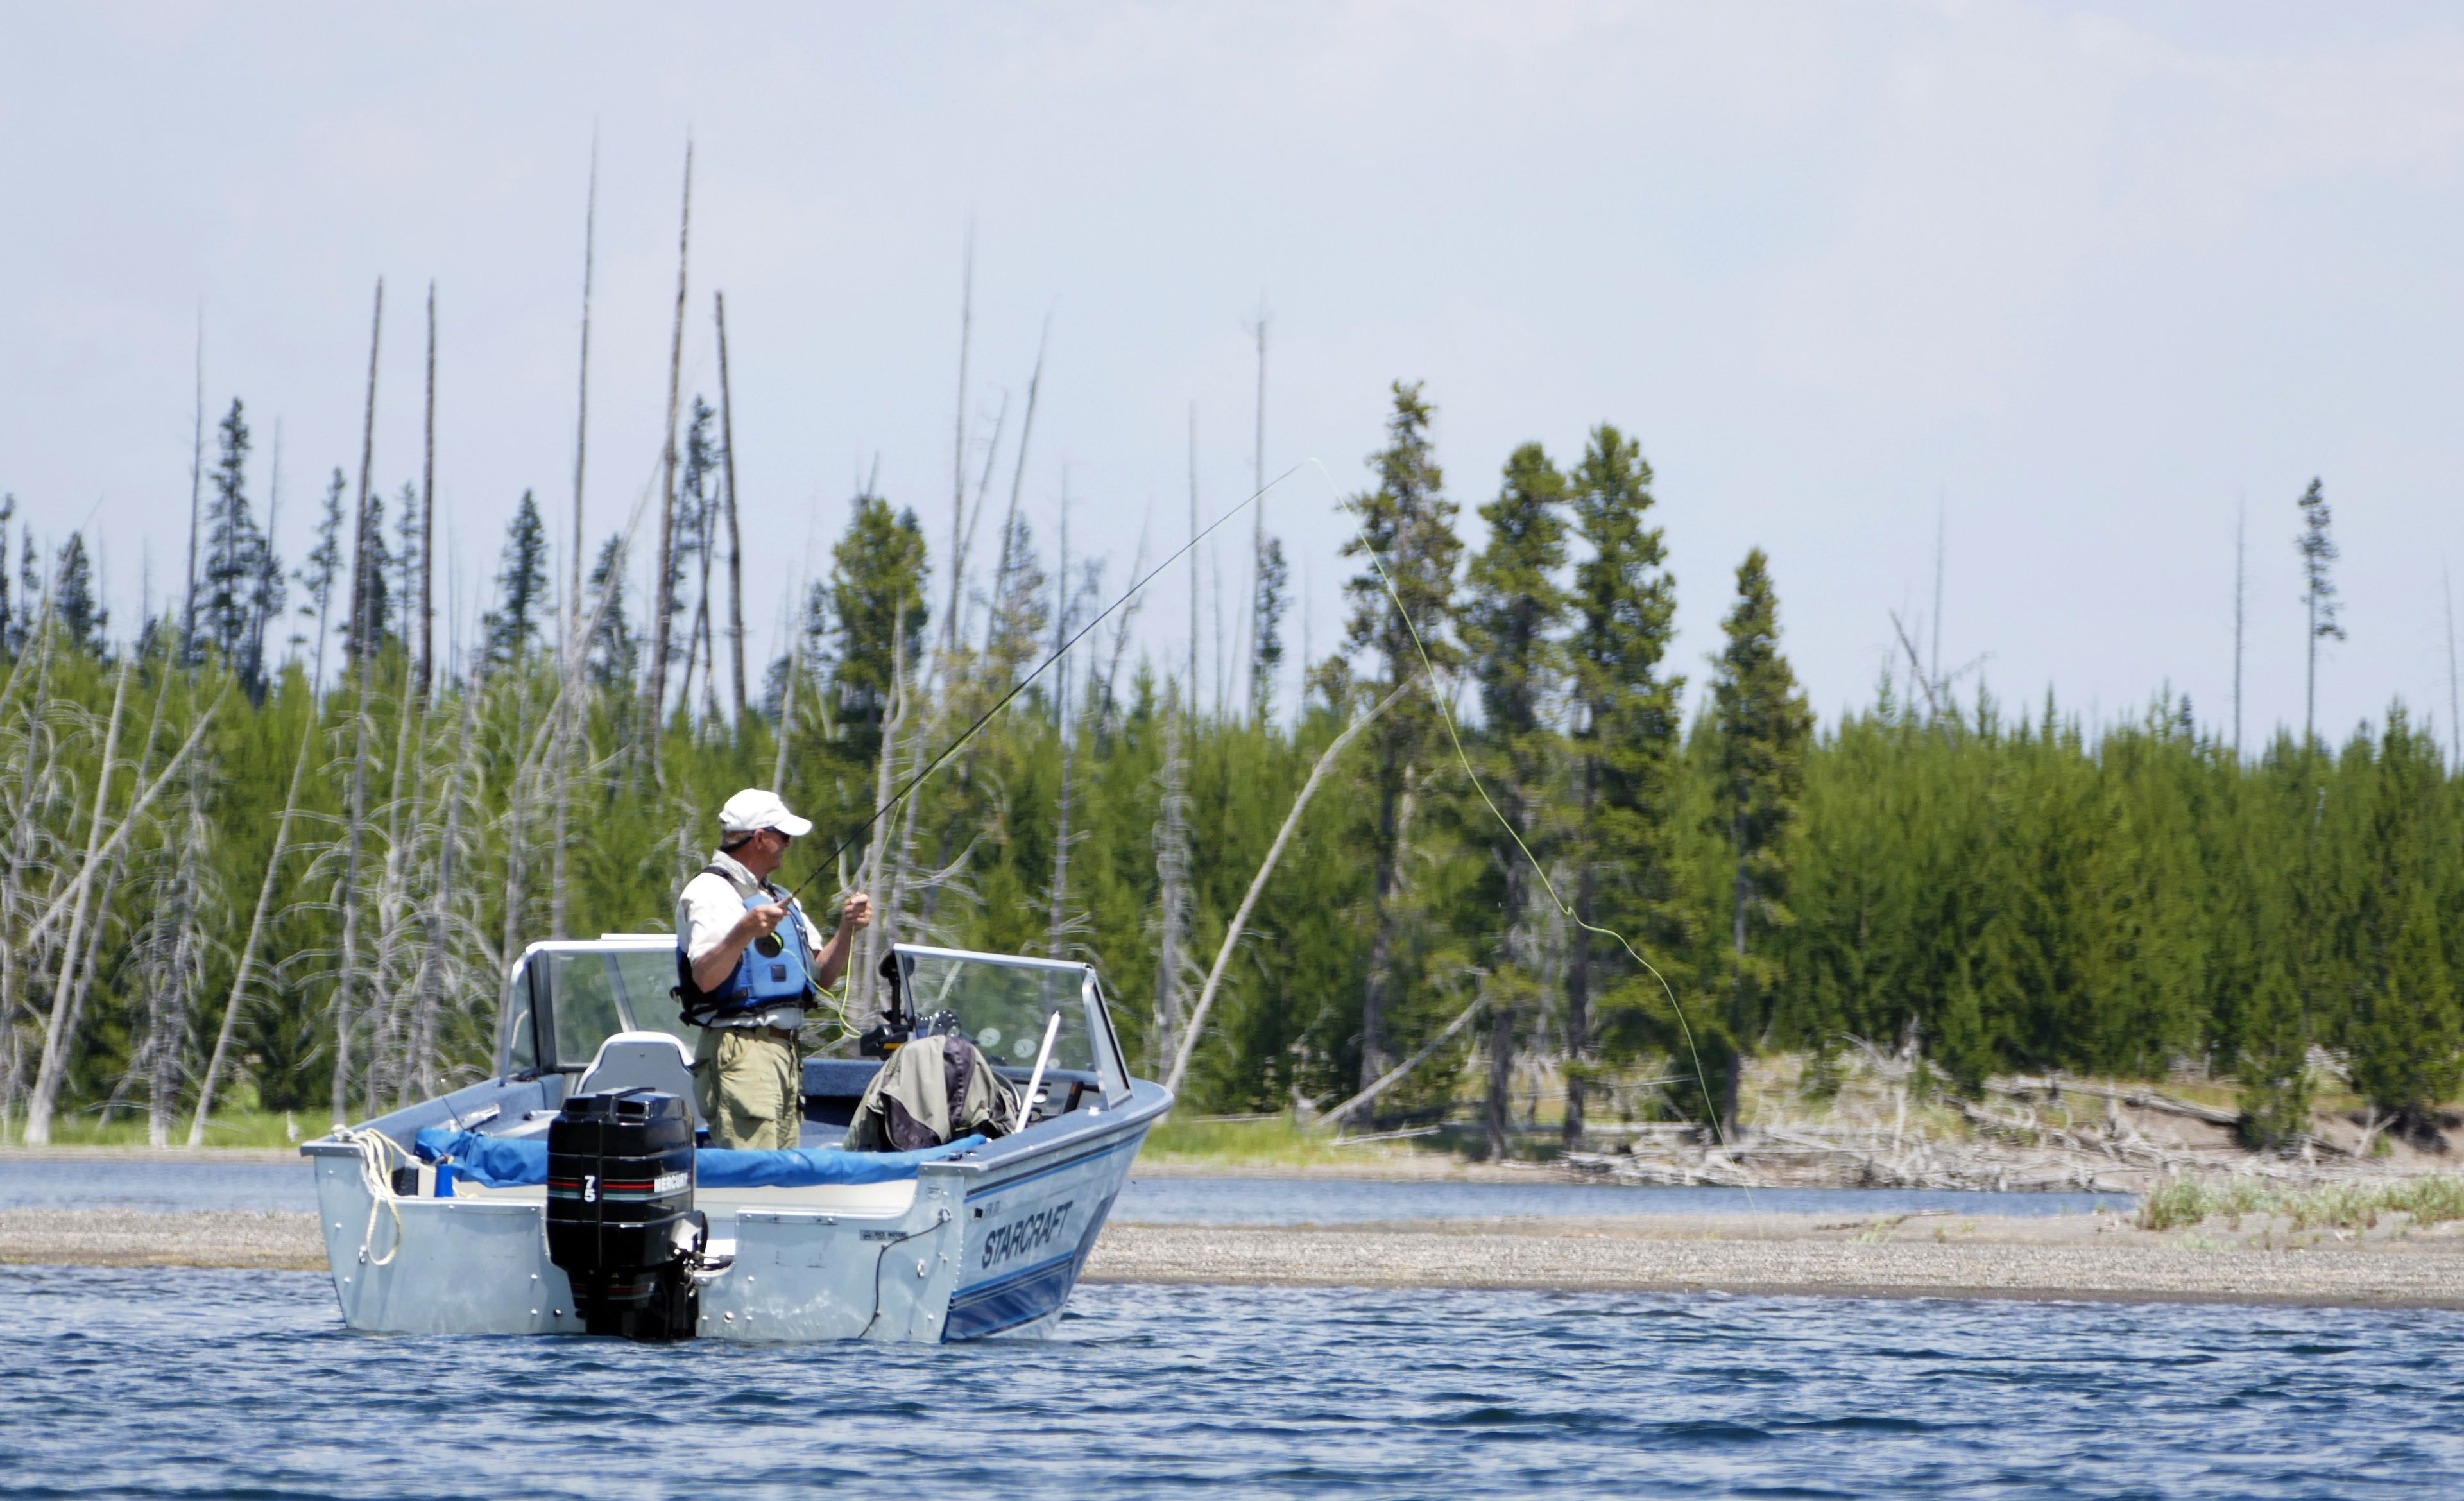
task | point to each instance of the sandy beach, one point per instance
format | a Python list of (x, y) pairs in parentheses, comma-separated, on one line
[(2098, 1256)]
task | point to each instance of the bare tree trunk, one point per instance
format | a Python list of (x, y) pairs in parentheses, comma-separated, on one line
[(361, 640), (734, 530), (426, 672), (787, 711), (428, 991), (1578, 971), (1018, 478), (354, 836), (195, 890), (954, 631), (581, 407), (1258, 526), (245, 970), (392, 888), (1194, 592), (1057, 929), (1395, 826), (518, 808), (196, 500), (568, 712), (663, 606), (1172, 878), (1501, 1074), (957, 440), (874, 938), (83, 881), (50, 1072)]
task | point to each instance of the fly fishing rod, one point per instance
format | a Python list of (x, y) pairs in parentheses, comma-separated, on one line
[(829, 861)]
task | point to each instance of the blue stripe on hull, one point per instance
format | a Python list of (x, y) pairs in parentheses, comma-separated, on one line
[(1025, 1295)]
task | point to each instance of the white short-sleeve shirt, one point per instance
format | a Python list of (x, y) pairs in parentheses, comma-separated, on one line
[(709, 908)]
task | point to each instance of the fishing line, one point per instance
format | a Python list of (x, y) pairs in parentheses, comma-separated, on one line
[(830, 860), (1377, 562)]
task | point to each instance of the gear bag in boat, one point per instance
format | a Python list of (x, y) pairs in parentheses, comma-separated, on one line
[(931, 1090)]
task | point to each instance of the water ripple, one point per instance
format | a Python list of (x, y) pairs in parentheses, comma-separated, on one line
[(234, 1383)]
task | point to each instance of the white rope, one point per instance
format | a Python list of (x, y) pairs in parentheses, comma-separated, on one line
[(377, 1153)]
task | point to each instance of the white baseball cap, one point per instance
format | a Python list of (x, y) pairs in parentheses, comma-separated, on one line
[(751, 810)]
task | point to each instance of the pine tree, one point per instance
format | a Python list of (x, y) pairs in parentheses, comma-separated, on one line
[(2273, 1065), (1514, 606), (1021, 604), (1267, 609), (1624, 742), (2406, 1037), (323, 566), (241, 576), (876, 590), (30, 588), (613, 654), (1762, 724), (75, 606), (13, 623), (2317, 549), (404, 592), (697, 516), (1406, 525), (512, 630), (375, 595)]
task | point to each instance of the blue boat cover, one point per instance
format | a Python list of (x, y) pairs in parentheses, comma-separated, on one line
[(511, 1163)]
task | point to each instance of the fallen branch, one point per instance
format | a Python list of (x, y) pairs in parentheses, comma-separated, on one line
[(2139, 1099), (1189, 1032), (1402, 1069)]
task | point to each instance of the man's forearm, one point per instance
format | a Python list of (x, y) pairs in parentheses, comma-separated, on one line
[(834, 959)]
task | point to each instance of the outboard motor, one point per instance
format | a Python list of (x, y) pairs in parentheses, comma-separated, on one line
[(620, 1214)]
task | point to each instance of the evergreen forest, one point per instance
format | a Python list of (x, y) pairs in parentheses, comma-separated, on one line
[(270, 849)]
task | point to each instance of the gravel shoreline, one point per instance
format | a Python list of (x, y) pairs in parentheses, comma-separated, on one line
[(2098, 1258)]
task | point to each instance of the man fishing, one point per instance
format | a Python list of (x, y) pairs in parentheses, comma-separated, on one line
[(746, 983)]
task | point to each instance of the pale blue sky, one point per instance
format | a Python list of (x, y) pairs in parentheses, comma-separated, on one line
[(2080, 277)]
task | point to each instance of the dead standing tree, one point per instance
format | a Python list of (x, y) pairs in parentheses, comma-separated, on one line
[(664, 600), (362, 647), (734, 530), (575, 643)]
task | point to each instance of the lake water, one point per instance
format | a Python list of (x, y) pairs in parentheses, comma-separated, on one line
[(165, 1186), (192, 1382)]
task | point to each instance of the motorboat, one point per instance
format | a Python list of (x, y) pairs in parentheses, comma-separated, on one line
[(452, 1216)]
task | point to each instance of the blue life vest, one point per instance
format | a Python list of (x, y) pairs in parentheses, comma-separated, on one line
[(776, 969)]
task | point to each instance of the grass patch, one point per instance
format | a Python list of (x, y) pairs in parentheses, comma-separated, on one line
[(238, 1128), (1268, 1141), (2344, 1206)]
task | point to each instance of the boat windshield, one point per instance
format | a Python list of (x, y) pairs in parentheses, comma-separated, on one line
[(1004, 1004), (595, 993)]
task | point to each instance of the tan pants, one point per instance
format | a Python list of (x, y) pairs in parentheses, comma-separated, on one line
[(750, 1087)]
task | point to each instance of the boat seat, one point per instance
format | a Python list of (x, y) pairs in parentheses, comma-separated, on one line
[(631, 1060)]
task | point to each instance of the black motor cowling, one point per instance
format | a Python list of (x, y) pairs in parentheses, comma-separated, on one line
[(620, 1214)]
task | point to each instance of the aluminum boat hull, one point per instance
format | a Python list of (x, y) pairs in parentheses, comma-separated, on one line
[(981, 1246)]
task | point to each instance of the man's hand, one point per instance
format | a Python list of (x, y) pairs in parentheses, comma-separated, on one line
[(761, 921), (854, 914)]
